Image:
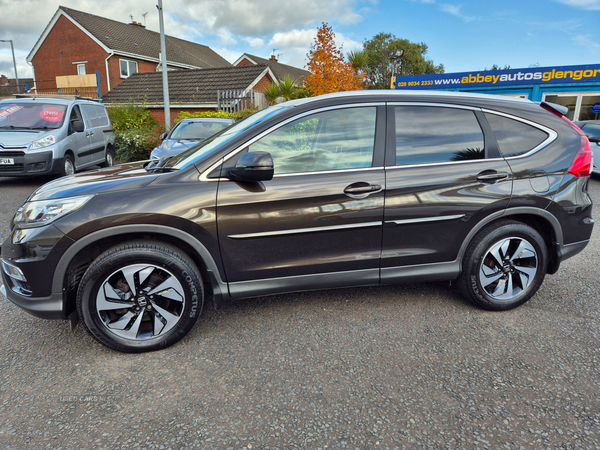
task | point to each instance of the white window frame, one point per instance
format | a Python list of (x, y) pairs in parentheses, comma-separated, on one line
[(579, 97), (128, 71), (79, 67)]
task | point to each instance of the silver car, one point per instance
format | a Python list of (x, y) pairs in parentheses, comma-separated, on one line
[(591, 128), (41, 136), (188, 132)]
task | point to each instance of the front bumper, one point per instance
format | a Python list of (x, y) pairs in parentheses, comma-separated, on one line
[(51, 307), (28, 164)]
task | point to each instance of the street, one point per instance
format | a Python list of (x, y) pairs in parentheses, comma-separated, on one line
[(405, 366)]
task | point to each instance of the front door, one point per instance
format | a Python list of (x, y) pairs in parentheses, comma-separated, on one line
[(318, 222)]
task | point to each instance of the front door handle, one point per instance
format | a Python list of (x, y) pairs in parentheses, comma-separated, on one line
[(491, 177), (362, 189)]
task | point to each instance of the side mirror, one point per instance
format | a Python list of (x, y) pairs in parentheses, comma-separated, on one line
[(78, 126), (253, 166), (593, 138), (163, 136)]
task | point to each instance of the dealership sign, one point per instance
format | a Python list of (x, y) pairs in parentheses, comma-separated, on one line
[(512, 77)]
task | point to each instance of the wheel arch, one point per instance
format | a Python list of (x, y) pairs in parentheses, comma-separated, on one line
[(79, 256), (540, 220)]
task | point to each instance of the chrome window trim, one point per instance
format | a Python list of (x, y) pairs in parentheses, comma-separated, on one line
[(297, 174), (437, 105), (305, 230), (425, 219), (204, 175), (471, 161), (552, 135)]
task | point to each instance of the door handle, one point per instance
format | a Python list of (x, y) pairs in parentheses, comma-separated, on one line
[(491, 177), (362, 189)]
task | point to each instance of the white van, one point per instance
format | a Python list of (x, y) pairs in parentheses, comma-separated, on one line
[(40, 136)]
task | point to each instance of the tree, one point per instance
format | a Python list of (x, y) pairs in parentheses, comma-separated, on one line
[(286, 89), (379, 66), (329, 71), (497, 67)]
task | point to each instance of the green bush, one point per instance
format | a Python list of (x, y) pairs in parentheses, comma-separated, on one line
[(136, 132), (220, 114)]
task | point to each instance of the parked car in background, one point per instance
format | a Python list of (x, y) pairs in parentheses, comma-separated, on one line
[(591, 128), (188, 132), (346, 189), (41, 136)]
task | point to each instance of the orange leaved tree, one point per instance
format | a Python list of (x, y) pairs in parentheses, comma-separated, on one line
[(329, 71)]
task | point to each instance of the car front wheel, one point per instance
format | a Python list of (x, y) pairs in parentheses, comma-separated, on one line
[(140, 296), (504, 266)]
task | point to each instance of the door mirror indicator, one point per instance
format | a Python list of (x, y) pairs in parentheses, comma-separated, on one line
[(253, 166)]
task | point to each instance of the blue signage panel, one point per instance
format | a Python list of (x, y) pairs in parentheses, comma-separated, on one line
[(596, 107), (512, 77)]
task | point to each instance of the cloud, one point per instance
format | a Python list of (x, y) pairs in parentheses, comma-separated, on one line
[(255, 42), (586, 42), (455, 11), (593, 5)]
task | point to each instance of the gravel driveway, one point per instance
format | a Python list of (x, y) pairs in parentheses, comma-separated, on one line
[(408, 366)]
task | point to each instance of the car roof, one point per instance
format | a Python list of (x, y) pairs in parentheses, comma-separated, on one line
[(50, 100)]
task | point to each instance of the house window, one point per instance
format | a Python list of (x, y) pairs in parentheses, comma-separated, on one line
[(128, 68), (80, 69)]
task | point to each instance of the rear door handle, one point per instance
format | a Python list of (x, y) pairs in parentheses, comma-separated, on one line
[(362, 189), (491, 177)]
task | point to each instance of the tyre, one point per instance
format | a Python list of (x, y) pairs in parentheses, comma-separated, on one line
[(68, 165), (110, 158), (504, 266), (140, 296)]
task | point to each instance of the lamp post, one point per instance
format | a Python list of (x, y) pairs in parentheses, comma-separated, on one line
[(396, 55), (14, 62)]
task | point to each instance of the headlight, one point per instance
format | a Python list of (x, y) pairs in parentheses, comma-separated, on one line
[(43, 142), (37, 214)]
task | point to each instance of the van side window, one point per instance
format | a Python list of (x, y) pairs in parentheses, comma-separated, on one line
[(90, 114), (431, 134), (102, 117)]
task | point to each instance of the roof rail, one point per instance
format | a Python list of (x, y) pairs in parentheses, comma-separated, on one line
[(57, 96)]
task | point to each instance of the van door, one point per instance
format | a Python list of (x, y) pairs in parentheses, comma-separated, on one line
[(79, 143), (95, 133)]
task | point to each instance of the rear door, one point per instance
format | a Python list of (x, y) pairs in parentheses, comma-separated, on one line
[(95, 132), (444, 175), (318, 222)]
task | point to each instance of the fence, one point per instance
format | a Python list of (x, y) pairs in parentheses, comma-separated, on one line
[(237, 100), (30, 88)]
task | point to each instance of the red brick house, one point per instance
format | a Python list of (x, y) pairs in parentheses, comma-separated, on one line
[(189, 90), (279, 70), (77, 43)]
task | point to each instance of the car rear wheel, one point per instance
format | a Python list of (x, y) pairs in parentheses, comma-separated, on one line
[(110, 157), (140, 296), (504, 266)]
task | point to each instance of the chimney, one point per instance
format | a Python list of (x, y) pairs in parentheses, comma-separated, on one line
[(4, 81), (273, 58), (137, 24)]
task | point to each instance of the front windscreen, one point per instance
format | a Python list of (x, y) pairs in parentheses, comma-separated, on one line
[(204, 148), (40, 116)]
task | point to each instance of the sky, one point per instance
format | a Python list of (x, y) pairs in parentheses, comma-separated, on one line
[(463, 35)]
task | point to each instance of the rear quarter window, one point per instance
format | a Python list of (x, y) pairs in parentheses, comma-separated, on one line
[(514, 137)]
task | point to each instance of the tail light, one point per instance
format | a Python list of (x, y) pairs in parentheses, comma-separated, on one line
[(582, 164)]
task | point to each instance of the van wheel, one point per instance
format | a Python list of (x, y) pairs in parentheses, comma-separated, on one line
[(140, 296), (68, 166), (109, 161), (504, 266)]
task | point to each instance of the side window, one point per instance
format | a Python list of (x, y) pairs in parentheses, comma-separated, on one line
[(431, 134), (90, 113), (591, 129), (330, 140), (514, 138), (75, 116), (102, 117)]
